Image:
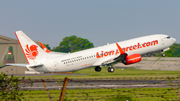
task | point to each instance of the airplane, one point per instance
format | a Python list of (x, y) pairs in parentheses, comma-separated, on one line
[(41, 61)]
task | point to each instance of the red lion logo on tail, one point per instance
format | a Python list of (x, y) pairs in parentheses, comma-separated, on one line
[(31, 52)]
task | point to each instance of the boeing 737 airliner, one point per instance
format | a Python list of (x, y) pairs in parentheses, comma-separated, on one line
[(127, 52)]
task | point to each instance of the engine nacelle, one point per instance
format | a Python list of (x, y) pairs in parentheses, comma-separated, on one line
[(134, 58)]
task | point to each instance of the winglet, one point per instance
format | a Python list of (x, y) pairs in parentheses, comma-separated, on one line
[(44, 48), (120, 49)]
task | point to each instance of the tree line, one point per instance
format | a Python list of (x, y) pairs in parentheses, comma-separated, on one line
[(72, 44), (174, 51)]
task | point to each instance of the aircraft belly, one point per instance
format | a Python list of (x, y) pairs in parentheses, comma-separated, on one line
[(41, 69), (83, 65)]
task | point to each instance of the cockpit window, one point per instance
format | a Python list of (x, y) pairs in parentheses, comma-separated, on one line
[(168, 37)]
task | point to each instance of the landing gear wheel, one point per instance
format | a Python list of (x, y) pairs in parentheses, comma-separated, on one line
[(163, 55), (97, 69), (111, 69)]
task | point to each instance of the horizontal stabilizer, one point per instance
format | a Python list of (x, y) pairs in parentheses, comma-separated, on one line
[(13, 64), (25, 65)]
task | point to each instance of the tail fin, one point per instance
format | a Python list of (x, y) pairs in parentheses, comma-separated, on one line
[(32, 51), (8, 57), (44, 48)]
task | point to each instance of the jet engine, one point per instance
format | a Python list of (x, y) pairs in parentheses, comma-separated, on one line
[(134, 58)]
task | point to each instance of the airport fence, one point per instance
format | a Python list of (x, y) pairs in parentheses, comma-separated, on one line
[(103, 89)]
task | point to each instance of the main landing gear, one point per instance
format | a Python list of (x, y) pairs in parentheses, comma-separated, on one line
[(97, 68), (110, 69)]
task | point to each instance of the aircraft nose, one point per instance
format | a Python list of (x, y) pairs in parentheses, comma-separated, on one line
[(173, 40)]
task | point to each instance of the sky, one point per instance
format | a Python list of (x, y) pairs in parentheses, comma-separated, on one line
[(99, 21)]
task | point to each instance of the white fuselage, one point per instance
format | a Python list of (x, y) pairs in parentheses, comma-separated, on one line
[(94, 56)]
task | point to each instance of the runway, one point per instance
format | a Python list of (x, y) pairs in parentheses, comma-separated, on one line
[(97, 84)]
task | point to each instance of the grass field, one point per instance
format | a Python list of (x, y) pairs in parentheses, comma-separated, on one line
[(119, 73), (120, 94)]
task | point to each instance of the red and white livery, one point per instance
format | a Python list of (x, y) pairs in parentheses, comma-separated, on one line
[(127, 52)]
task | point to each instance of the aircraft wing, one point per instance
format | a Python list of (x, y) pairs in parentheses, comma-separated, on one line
[(51, 52), (112, 59)]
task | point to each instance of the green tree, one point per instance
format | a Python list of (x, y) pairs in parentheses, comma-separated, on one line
[(1, 64), (174, 51), (9, 88), (73, 44)]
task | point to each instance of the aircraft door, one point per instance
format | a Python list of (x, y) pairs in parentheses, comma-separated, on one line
[(162, 40), (55, 65)]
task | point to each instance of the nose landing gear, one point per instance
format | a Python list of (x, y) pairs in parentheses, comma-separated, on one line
[(162, 54)]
